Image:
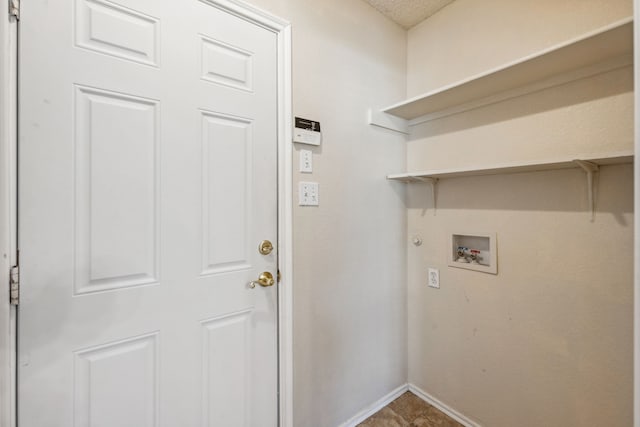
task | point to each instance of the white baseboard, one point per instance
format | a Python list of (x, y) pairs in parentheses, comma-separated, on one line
[(375, 407), (443, 407)]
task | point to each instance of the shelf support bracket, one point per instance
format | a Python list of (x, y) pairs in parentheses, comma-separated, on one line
[(590, 169), (387, 121), (432, 183)]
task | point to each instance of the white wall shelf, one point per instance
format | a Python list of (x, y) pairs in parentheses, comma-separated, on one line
[(603, 50), (601, 160), (590, 164)]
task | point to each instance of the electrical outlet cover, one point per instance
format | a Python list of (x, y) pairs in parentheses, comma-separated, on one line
[(434, 278), (308, 194)]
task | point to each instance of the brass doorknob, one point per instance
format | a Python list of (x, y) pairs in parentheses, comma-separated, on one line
[(266, 279), (265, 247)]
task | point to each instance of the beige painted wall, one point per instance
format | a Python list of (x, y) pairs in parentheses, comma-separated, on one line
[(549, 340), (349, 253), (471, 37)]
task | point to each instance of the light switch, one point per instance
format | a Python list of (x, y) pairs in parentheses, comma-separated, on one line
[(306, 161), (308, 194)]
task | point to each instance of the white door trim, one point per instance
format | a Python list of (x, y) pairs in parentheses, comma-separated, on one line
[(285, 229), (8, 203), (636, 306)]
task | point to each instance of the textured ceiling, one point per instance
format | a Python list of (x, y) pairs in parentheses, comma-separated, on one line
[(408, 13)]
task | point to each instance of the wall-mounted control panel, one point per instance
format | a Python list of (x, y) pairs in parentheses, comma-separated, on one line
[(473, 251), (307, 131)]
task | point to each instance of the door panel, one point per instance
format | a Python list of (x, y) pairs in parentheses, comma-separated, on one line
[(147, 180), (226, 167), (230, 365), (116, 190), (116, 30), (116, 384)]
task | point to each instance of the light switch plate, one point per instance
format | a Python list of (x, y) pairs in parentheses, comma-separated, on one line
[(308, 194), (306, 161)]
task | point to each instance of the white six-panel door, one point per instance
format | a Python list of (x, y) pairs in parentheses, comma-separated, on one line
[(147, 179)]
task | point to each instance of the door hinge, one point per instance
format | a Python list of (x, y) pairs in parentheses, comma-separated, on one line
[(14, 9), (14, 285)]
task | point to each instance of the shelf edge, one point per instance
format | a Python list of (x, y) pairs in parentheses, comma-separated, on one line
[(565, 163), (451, 87)]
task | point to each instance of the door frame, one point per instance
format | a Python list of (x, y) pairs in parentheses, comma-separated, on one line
[(636, 216), (8, 211), (8, 202)]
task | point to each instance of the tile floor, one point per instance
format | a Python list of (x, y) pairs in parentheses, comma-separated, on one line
[(409, 411)]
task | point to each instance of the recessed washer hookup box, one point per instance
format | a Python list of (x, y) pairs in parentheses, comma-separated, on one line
[(474, 251)]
